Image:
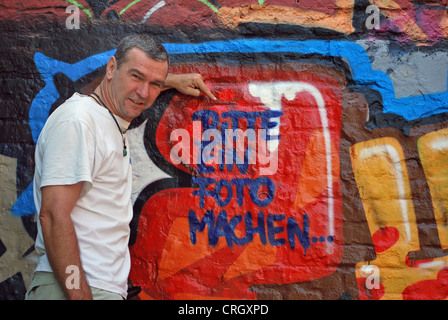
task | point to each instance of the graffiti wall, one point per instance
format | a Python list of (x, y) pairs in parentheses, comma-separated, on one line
[(321, 172)]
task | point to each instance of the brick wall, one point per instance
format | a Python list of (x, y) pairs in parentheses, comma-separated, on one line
[(340, 190)]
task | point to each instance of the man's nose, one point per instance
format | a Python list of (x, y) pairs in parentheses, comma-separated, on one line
[(143, 90)]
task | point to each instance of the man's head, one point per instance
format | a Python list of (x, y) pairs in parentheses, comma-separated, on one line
[(135, 76), (153, 48)]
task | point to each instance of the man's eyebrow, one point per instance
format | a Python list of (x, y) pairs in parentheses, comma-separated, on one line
[(134, 70)]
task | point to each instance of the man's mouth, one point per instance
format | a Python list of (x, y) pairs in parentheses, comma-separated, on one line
[(136, 101)]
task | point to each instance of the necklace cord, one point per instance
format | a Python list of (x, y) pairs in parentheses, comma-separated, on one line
[(97, 98)]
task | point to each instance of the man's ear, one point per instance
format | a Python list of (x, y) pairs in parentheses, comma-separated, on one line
[(111, 67)]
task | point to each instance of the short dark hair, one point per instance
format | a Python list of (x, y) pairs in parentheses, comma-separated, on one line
[(152, 47)]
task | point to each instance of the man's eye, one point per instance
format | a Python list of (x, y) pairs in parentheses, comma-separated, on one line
[(136, 77)]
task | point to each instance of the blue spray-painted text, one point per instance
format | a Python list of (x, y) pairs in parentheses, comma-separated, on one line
[(267, 229)]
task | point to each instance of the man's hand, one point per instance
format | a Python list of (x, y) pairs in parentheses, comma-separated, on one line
[(190, 84)]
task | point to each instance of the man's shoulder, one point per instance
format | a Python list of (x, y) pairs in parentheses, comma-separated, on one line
[(77, 102), (77, 107)]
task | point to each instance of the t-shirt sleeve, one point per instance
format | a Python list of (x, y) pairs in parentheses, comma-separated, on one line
[(68, 155)]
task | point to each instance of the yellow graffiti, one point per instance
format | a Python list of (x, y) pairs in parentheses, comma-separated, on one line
[(433, 150), (383, 182)]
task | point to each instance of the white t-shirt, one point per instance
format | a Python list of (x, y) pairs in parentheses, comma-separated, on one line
[(81, 142)]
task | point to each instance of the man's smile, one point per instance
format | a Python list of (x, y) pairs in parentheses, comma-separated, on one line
[(137, 102)]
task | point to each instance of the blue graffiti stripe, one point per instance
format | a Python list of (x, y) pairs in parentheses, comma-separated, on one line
[(410, 108), (41, 106)]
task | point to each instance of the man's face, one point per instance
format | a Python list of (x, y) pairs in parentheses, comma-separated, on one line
[(136, 84)]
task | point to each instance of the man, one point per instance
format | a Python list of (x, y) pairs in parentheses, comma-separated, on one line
[(82, 182)]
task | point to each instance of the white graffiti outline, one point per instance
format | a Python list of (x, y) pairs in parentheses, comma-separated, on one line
[(152, 10), (393, 153), (271, 95)]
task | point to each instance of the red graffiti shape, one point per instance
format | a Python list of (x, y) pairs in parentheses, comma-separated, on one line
[(384, 238), (237, 227), (374, 292), (429, 289)]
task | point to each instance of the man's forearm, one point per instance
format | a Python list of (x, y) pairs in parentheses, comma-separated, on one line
[(63, 254), (61, 243)]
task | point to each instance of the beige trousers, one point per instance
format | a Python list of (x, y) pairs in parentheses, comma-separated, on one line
[(45, 287)]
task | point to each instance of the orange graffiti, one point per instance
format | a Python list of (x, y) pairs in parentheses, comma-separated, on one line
[(340, 21)]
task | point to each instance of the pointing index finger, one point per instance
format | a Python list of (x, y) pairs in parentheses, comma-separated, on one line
[(203, 87)]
